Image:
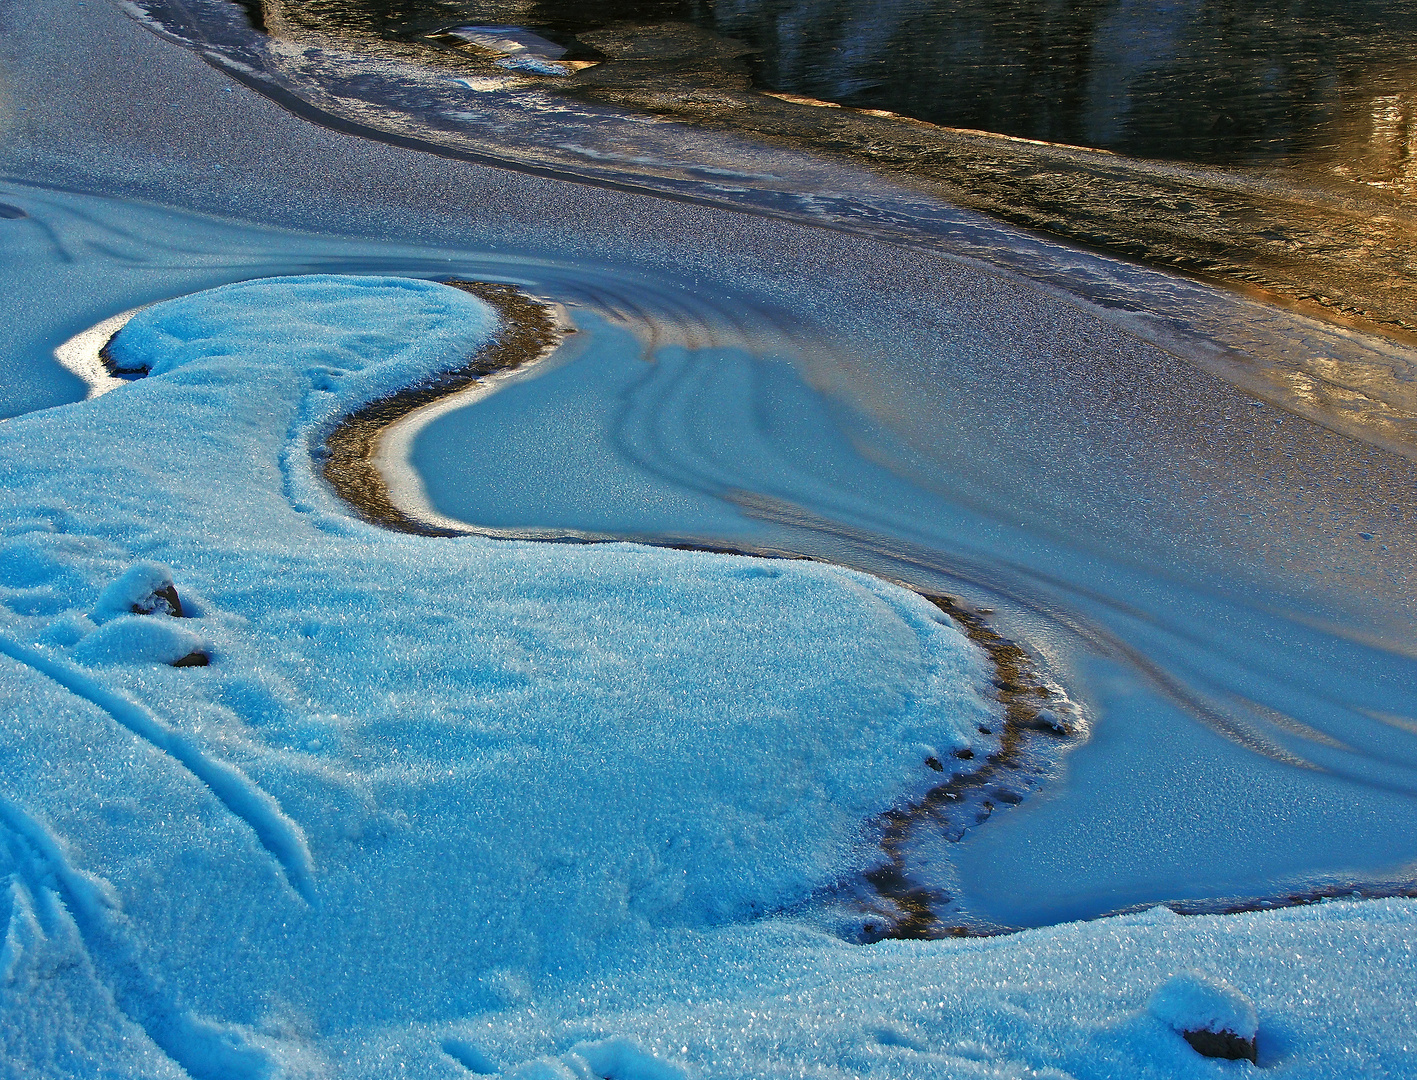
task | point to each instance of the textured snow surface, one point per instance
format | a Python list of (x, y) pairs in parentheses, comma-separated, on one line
[(457, 807)]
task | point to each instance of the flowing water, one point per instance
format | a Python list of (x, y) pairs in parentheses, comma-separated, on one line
[(1118, 464)]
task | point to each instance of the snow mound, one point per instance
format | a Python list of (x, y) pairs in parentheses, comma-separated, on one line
[(137, 639), (428, 775), (145, 588), (607, 1059), (1193, 1001), (623, 1059)]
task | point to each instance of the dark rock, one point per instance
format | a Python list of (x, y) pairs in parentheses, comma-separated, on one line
[(145, 588), (162, 601), (1049, 722), (1215, 1018), (1222, 1044), (193, 659)]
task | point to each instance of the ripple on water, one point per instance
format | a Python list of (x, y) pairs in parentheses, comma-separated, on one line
[(1195, 575)]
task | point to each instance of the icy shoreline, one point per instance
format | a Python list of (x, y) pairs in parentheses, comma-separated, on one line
[(366, 453), (392, 706), (1333, 984), (367, 463)]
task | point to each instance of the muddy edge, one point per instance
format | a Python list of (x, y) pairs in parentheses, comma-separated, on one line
[(527, 331)]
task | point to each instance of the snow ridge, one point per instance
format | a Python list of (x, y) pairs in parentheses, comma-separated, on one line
[(206, 1051)]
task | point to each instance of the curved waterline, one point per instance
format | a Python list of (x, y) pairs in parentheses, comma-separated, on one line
[(1037, 717), (908, 905)]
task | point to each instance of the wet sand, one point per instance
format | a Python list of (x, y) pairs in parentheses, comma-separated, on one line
[(527, 332)]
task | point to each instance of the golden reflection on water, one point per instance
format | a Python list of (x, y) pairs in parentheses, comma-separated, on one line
[(1380, 147), (1330, 230)]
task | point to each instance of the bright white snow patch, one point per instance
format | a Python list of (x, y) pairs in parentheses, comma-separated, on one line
[(1194, 1001), (82, 353)]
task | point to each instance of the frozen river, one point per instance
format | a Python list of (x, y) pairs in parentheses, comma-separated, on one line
[(1220, 585), (385, 803)]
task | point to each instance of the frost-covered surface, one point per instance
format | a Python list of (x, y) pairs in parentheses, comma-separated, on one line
[(450, 807)]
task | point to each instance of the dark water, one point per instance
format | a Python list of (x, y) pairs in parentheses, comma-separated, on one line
[(1193, 79), (1252, 81)]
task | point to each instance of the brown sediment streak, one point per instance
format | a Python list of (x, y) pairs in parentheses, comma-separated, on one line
[(526, 333), (1291, 898), (901, 907), (1337, 252), (912, 911)]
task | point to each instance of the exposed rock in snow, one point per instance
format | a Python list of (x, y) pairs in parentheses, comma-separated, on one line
[(1215, 1018), (146, 588)]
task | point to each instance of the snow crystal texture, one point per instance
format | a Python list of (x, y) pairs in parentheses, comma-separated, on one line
[(421, 776)]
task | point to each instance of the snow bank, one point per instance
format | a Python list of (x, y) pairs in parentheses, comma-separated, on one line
[(134, 639), (457, 807), (416, 769)]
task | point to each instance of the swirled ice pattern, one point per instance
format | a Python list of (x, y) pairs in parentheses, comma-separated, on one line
[(1277, 738), (1205, 576)]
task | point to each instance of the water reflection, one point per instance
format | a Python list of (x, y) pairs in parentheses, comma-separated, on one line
[(1380, 147), (1191, 79), (1309, 109), (1195, 80)]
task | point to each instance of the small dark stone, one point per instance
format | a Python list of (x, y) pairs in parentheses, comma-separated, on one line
[(965, 755), (193, 659), (1048, 722), (162, 601), (934, 763), (1222, 1044)]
